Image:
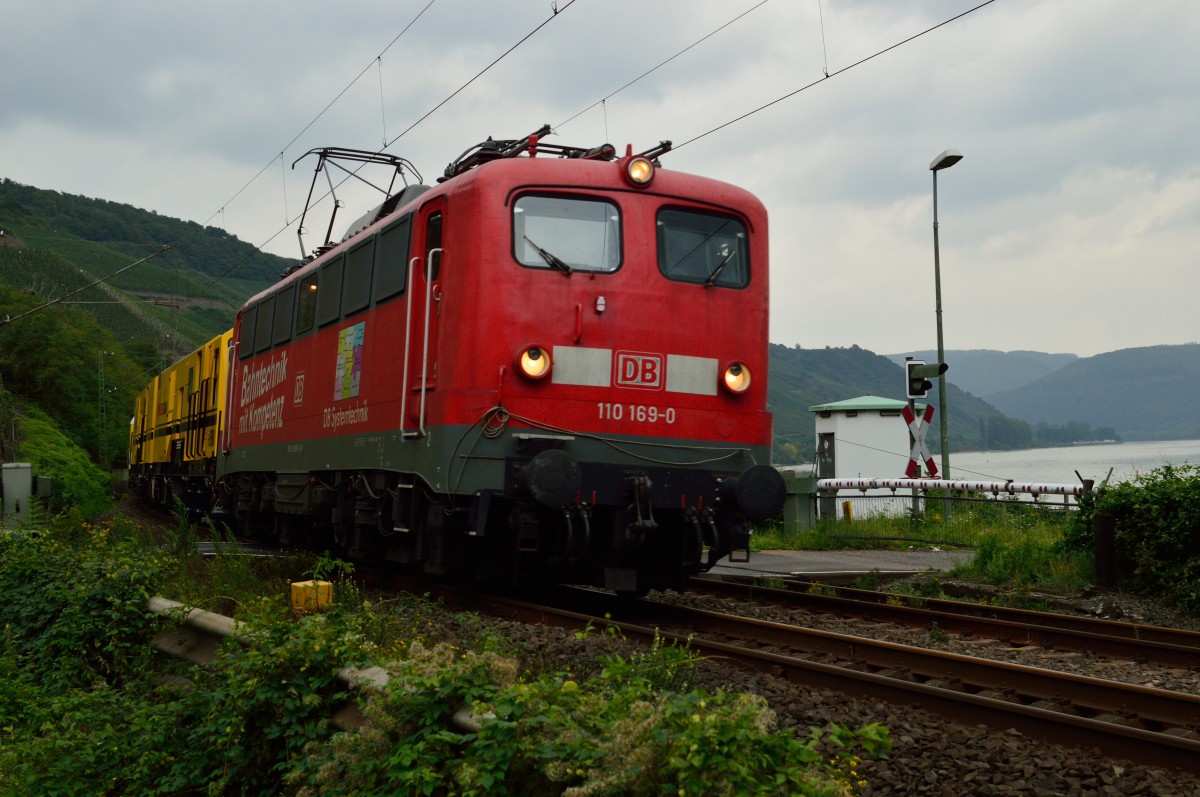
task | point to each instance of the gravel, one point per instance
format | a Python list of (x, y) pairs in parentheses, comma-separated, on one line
[(930, 755)]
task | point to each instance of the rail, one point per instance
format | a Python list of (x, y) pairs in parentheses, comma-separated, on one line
[(963, 688), (1169, 647)]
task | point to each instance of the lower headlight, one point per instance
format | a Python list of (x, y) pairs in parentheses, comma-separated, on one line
[(737, 378), (534, 362)]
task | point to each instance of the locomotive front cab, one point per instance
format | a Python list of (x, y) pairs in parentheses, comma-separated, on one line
[(628, 328), (539, 369)]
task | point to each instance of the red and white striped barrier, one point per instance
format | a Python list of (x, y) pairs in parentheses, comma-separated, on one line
[(993, 487)]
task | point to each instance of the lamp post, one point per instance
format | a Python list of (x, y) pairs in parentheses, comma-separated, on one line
[(942, 161)]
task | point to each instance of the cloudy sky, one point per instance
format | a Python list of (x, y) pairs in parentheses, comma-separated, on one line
[(1072, 224)]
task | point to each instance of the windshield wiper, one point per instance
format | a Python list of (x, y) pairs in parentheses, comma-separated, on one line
[(553, 260), (712, 278)]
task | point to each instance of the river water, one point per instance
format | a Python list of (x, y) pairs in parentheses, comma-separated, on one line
[(1058, 465)]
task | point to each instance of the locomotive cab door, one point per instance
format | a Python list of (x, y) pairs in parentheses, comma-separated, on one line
[(424, 311)]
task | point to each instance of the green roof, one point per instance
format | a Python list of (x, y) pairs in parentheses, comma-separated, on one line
[(862, 404)]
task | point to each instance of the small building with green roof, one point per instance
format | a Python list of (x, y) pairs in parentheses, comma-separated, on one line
[(864, 437)]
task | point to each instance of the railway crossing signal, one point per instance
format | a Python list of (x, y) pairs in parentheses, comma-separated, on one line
[(920, 452), (918, 374)]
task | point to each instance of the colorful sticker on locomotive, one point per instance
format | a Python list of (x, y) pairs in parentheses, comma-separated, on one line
[(349, 362)]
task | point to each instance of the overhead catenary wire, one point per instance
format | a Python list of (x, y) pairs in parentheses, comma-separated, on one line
[(554, 15), (829, 75), (321, 113), (8, 320), (612, 94), (677, 147), (382, 104), (824, 49)]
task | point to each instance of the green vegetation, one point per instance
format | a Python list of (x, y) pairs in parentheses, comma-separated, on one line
[(803, 378), (159, 300), (85, 708), (971, 520), (52, 361), (51, 246), (1156, 521), (1019, 545), (81, 362), (53, 219), (77, 483)]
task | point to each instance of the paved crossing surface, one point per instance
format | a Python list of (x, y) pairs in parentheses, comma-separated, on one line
[(829, 563)]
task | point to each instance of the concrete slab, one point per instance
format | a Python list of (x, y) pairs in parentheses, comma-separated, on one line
[(827, 564)]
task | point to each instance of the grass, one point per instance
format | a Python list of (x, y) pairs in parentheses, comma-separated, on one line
[(1016, 544), (86, 705)]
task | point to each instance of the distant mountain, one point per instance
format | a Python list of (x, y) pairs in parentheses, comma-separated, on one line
[(1144, 393), (987, 371), (802, 378)]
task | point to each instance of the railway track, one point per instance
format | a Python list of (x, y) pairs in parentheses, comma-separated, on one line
[(1169, 647), (1150, 726)]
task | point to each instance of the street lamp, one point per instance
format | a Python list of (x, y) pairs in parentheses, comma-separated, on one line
[(942, 161)]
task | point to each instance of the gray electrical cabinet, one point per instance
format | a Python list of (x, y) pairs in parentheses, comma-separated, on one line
[(18, 491), (798, 507)]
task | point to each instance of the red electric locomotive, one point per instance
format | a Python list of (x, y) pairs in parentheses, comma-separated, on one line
[(551, 365)]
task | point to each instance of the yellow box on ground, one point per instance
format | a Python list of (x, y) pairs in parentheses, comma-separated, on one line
[(309, 596)]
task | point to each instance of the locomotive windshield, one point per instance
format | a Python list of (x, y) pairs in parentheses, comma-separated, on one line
[(704, 248), (567, 234)]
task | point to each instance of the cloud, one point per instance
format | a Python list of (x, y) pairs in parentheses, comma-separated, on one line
[(1068, 225)]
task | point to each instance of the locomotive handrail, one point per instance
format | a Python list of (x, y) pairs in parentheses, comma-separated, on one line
[(412, 264), (425, 344), (230, 382)]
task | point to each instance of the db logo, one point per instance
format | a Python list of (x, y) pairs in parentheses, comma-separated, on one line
[(636, 369)]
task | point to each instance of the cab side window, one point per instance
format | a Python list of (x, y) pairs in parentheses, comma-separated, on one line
[(391, 260)]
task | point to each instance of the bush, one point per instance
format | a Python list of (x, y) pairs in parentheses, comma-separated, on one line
[(613, 734), (74, 607), (86, 709), (79, 484), (1025, 559), (263, 700), (1157, 532)]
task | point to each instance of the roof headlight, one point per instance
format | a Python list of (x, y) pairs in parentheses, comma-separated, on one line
[(737, 378), (640, 171), (534, 362)]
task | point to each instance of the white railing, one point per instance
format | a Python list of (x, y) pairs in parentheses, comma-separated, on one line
[(994, 487)]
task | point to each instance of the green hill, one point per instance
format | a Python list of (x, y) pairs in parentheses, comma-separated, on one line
[(801, 378), (55, 243), (987, 371), (1144, 394), (82, 360)]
